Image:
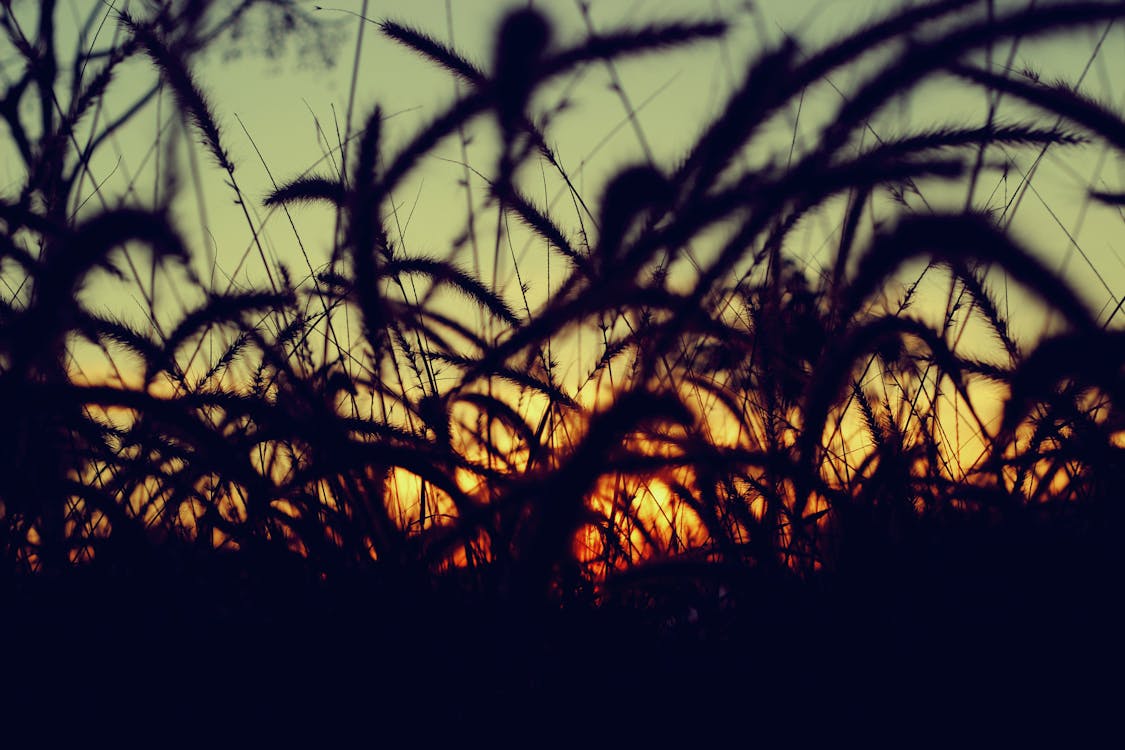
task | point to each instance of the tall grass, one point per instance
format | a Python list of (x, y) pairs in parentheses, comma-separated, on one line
[(769, 427)]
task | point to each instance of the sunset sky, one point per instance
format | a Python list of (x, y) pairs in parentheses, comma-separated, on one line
[(284, 101), (676, 93)]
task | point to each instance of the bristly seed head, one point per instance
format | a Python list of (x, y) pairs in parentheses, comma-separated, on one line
[(631, 192), (523, 37)]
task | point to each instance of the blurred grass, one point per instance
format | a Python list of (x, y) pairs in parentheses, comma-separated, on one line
[(773, 482)]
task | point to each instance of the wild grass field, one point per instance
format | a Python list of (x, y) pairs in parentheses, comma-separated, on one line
[(625, 456)]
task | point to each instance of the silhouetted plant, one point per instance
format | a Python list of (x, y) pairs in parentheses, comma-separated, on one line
[(767, 421)]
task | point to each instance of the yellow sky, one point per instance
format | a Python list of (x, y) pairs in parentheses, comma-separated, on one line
[(676, 94), (281, 102), (291, 114)]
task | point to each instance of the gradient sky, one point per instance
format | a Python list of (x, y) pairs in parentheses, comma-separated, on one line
[(282, 103), (676, 93)]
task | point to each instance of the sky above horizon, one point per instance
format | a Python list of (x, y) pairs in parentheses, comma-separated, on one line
[(285, 116), (283, 104)]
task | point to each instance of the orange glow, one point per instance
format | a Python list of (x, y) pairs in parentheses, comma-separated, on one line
[(647, 513)]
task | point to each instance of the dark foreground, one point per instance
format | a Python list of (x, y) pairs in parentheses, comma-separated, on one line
[(981, 639)]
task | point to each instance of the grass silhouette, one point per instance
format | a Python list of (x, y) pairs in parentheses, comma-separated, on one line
[(750, 518)]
